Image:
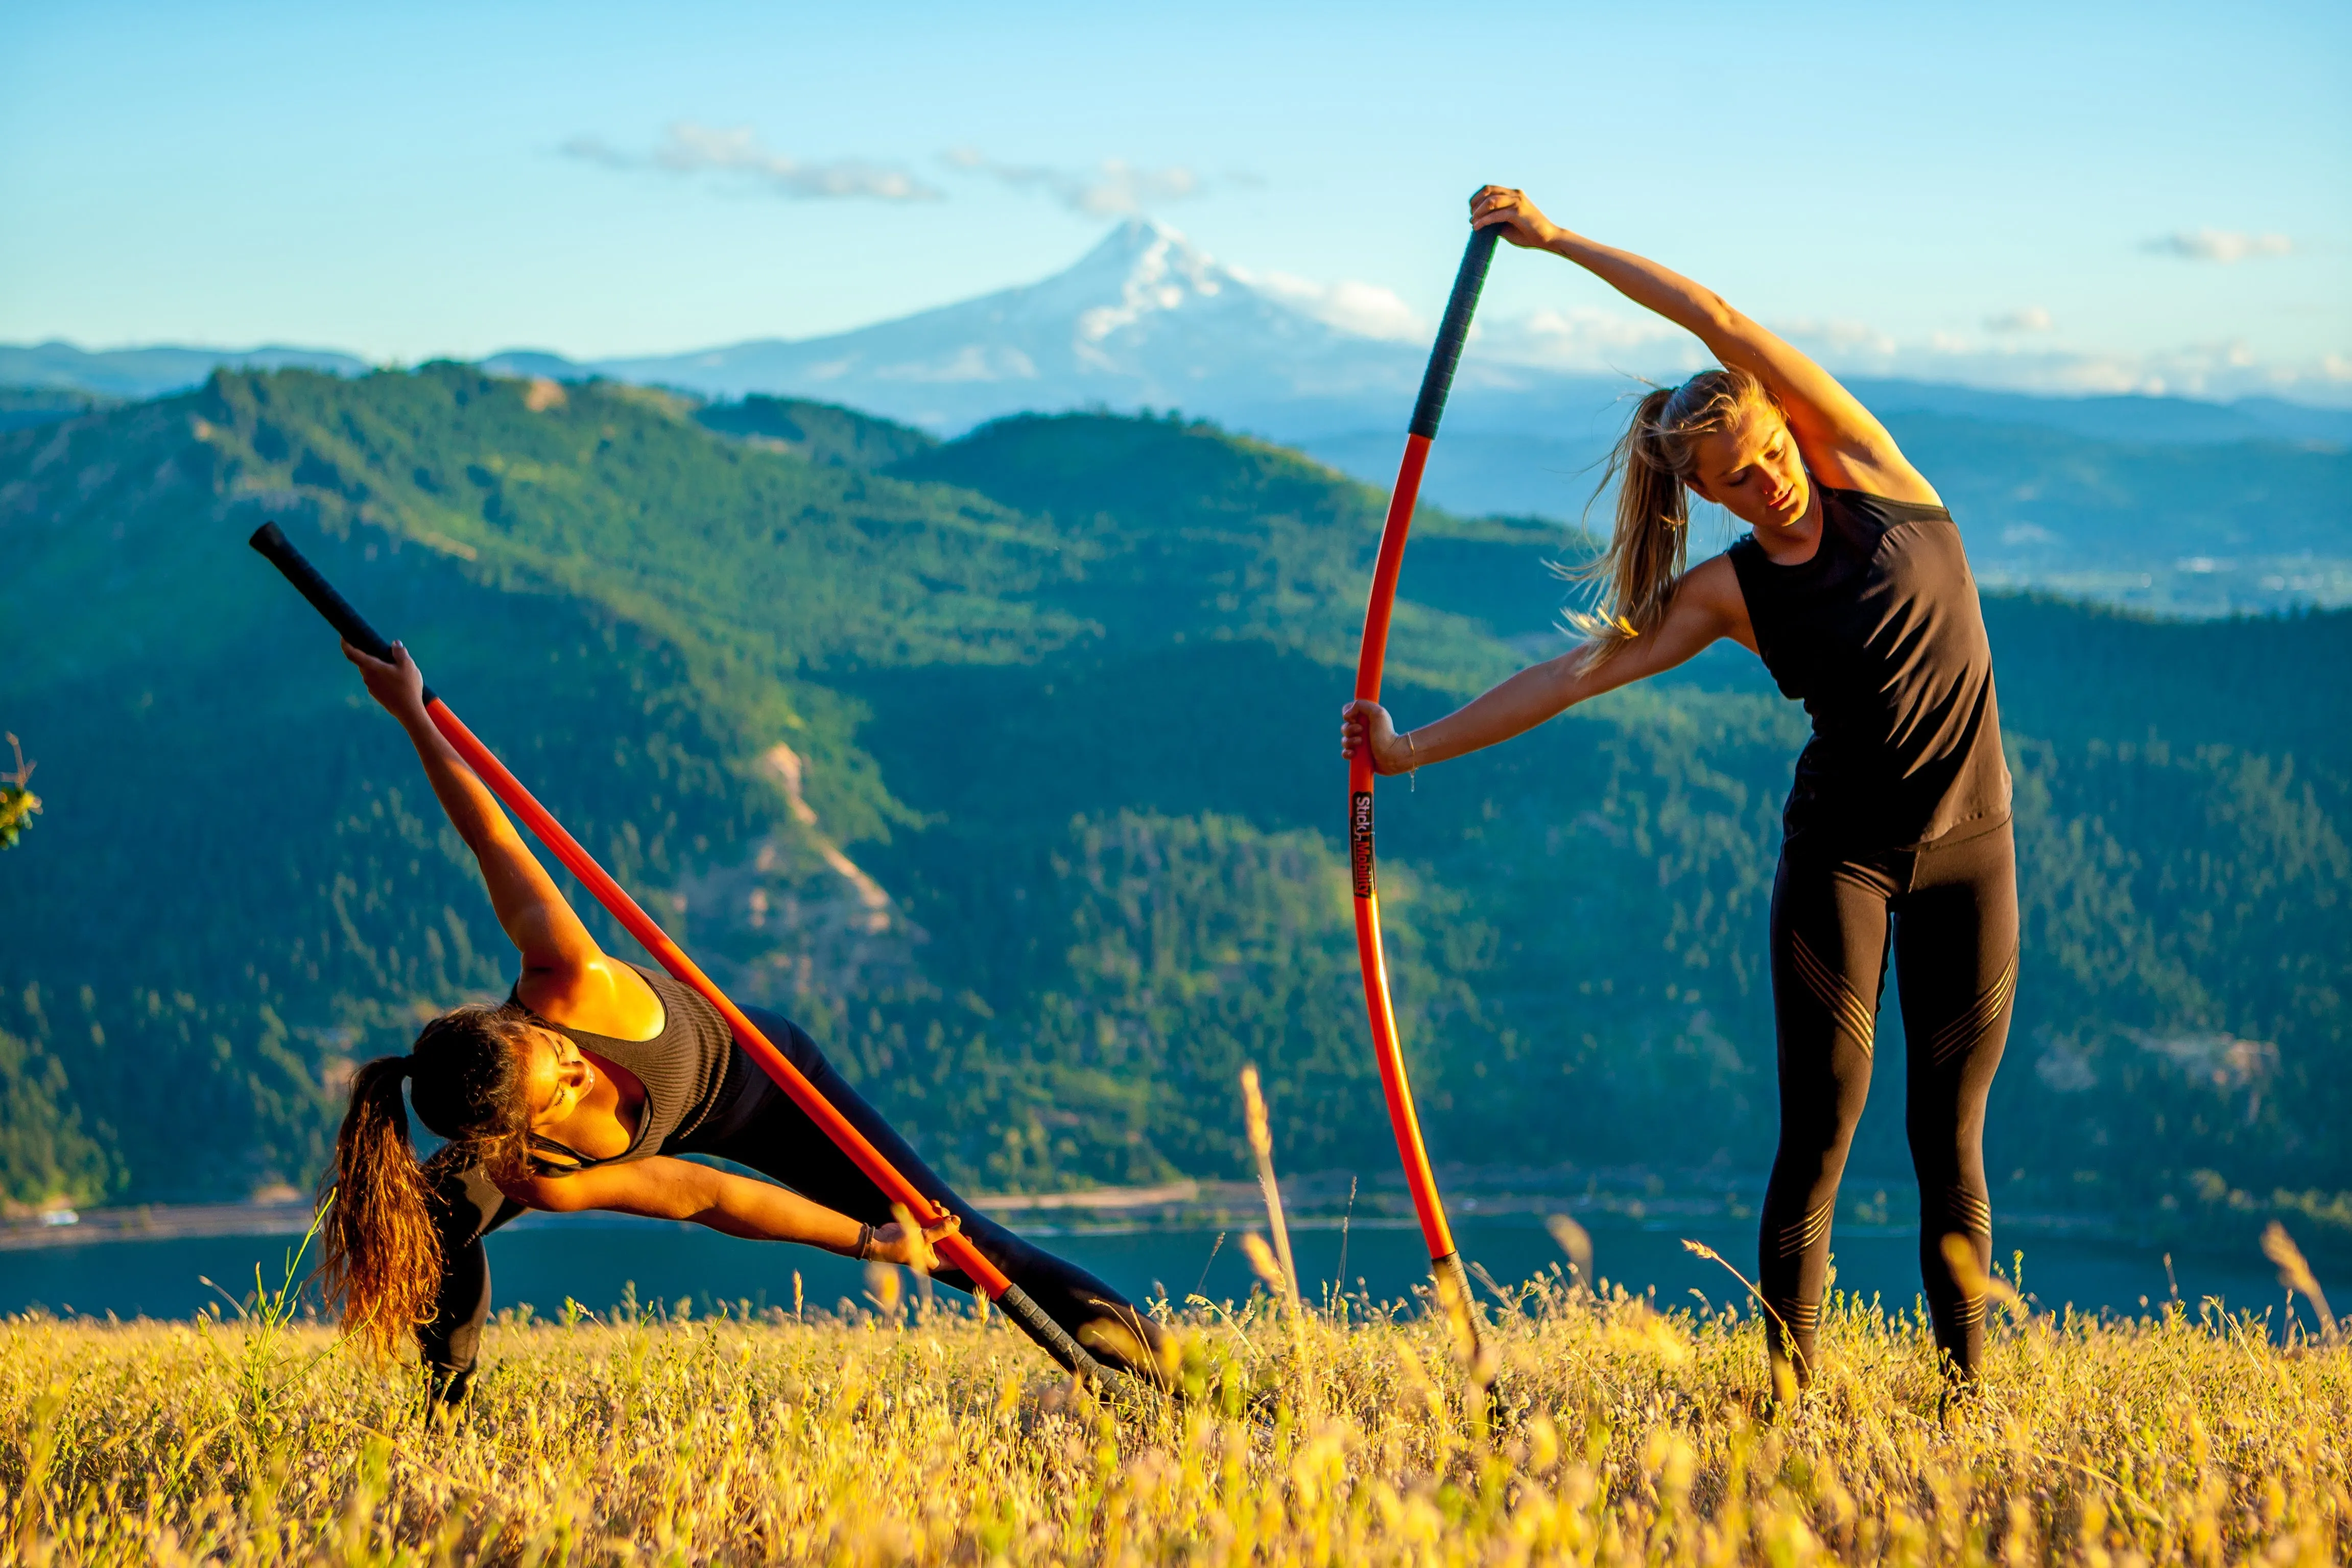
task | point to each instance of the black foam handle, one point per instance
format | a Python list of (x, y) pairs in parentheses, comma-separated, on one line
[(1054, 1339), (1452, 332), (271, 541)]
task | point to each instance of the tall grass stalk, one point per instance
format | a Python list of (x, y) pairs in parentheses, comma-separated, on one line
[(2295, 1274), (1261, 1142), (1279, 1270)]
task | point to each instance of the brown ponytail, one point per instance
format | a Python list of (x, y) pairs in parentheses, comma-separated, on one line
[(382, 1262), (1650, 545)]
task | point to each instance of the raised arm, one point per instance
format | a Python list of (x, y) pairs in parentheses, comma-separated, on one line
[(530, 908), (1707, 605), (1840, 440)]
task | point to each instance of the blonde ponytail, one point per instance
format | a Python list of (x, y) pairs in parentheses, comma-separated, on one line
[(1649, 547)]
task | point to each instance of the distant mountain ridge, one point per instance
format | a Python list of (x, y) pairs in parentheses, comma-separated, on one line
[(152, 371), (1147, 320), (2160, 503)]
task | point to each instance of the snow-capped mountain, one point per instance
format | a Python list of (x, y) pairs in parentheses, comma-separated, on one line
[(1145, 319)]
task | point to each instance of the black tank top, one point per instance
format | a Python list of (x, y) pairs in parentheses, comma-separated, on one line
[(691, 1071), (1880, 635)]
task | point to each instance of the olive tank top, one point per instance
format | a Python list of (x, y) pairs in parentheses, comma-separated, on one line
[(1881, 636), (692, 1072)]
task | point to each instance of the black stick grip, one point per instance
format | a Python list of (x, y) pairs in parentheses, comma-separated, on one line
[(1051, 1336), (271, 541), (1121, 1391), (1452, 334)]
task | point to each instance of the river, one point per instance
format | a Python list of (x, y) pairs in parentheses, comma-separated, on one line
[(596, 1261)]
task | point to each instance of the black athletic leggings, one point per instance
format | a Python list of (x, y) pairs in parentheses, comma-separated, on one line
[(1952, 910), (764, 1130)]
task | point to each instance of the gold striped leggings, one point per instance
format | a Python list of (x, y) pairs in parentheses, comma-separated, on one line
[(1950, 912)]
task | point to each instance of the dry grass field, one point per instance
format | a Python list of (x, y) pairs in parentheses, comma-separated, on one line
[(1594, 1428)]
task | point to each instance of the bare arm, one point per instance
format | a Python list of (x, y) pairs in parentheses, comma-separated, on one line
[(1707, 605), (530, 908), (1839, 439), (664, 1188)]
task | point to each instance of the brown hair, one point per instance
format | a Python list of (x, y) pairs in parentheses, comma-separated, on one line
[(1649, 546), (381, 1260)]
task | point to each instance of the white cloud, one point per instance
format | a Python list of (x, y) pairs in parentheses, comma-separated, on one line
[(2223, 370), (2221, 245), (1113, 188), (688, 148), (1587, 339), (1835, 336), (2016, 359), (1367, 310), (2026, 318), (2019, 359)]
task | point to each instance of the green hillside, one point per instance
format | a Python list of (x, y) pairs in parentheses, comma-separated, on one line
[(1064, 689)]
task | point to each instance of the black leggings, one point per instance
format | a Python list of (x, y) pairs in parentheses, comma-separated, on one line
[(764, 1130), (1952, 908)]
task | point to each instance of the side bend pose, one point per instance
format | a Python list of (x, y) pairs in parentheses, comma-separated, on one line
[(578, 1091), (1852, 587)]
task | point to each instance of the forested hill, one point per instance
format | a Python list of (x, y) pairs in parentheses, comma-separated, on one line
[(1060, 696)]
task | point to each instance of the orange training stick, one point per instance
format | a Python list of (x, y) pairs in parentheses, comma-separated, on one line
[(1444, 1260), (272, 542)]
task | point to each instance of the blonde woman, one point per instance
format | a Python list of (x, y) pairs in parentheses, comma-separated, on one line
[(1852, 587)]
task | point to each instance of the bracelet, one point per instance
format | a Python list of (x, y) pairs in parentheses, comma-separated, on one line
[(1412, 773), (865, 1242)]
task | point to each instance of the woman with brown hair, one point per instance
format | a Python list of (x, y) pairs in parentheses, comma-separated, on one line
[(1852, 587), (579, 1092)]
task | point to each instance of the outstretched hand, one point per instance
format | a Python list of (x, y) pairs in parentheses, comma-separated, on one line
[(916, 1247), (1367, 725), (1503, 208), (395, 683)]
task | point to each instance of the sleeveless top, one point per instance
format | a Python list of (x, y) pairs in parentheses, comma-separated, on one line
[(1881, 636), (692, 1072)]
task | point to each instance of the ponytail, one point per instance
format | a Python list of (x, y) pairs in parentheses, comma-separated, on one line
[(1649, 547), (381, 1263)]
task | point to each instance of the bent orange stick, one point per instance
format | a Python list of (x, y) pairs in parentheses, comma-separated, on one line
[(958, 1249), (1444, 1260)]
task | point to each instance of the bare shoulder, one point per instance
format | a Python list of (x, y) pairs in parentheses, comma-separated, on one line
[(602, 995), (1711, 580), (1889, 474), (1705, 605), (1841, 439), (1858, 453), (1712, 589)]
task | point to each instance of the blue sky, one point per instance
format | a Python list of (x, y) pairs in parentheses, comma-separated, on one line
[(2068, 196)]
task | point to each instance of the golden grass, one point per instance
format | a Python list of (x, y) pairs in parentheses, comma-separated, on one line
[(1618, 1435)]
